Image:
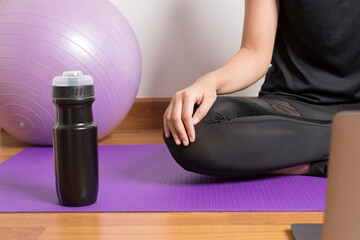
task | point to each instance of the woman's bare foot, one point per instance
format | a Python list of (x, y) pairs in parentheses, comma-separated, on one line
[(303, 169)]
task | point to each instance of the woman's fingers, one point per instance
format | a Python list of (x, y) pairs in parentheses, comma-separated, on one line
[(187, 111), (166, 119), (168, 125), (177, 119), (174, 133), (204, 106)]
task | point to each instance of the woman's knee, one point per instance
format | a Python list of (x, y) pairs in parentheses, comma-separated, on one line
[(196, 157)]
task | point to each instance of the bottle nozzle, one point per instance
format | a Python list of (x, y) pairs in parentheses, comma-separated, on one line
[(73, 78)]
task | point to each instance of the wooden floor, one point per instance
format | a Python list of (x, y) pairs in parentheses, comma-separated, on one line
[(68, 226)]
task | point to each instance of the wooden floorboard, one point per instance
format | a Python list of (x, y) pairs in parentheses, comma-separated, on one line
[(21, 233), (146, 113), (224, 225), (169, 232)]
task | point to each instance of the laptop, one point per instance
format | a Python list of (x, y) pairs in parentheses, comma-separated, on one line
[(342, 208)]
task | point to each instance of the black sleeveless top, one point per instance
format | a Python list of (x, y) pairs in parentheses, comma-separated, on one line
[(317, 52)]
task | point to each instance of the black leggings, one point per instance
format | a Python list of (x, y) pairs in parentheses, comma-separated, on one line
[(248, 136)]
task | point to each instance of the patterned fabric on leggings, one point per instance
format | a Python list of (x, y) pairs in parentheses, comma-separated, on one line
[(249, 136)]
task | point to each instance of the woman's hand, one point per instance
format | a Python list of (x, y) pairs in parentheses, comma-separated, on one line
[(241, 71), (178, 118)]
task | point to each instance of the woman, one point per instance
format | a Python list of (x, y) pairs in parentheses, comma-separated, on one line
[(314, 51)]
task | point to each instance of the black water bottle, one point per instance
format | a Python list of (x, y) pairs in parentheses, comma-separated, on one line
[(75, 140)]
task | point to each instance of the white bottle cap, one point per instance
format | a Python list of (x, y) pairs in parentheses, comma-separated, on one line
[(73, 78)]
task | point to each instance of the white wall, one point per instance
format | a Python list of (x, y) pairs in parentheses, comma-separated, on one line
[(181, 40)]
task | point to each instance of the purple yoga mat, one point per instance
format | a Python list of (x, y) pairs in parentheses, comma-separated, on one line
[(145, 178)]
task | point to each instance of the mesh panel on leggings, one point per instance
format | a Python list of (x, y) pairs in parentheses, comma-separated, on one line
[(282, 107)]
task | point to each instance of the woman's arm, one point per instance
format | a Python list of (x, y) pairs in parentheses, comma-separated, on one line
[(253, 59), (241, 71)]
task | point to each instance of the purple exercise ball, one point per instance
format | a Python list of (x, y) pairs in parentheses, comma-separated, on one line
[(39, 39)]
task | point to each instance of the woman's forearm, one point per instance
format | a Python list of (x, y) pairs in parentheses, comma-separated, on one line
[(253, 59), (241, 71)]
